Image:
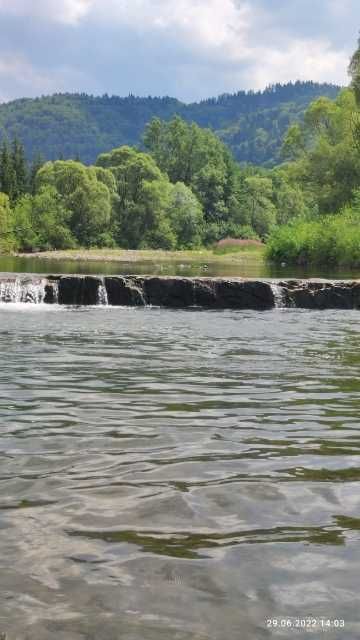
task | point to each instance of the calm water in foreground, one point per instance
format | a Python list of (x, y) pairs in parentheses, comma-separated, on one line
[(178, 475)]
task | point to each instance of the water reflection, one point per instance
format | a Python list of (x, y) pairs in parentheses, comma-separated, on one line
[(170, 474), (249, 267)]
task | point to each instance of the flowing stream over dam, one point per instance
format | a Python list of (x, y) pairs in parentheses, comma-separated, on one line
[(178, 472), (179, 292)]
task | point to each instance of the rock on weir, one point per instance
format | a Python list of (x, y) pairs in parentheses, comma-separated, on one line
[(178, 292)]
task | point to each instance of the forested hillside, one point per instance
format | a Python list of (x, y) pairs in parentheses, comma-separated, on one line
[(80, 126)]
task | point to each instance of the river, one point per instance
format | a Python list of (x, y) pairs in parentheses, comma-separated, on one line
[(185, 475), (249, 267)]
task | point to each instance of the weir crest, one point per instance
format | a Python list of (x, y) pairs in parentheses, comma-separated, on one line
[(178, 292)]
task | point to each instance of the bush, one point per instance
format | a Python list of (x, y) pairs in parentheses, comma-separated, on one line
[(330, 240)]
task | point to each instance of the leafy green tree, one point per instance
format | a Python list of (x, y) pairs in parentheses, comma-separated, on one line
[(293, 145), (36, 165), (143, 196), (288, 199), (87, 199), (328, 170), (256, 201), (354, 72), (7, 236), (41, 221), (186, 217), (196, 157)]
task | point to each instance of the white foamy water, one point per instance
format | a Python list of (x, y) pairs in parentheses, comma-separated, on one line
[(102, 296), (19, 290), (279, 295)]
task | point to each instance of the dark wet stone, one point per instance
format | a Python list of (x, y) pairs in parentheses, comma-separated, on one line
[(232, 294), (79, 290), (319, 295), (169, 292), (123, 292), (205, 293), (50, 294)]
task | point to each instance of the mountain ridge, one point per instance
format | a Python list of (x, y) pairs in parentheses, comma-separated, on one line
[(79, 125)]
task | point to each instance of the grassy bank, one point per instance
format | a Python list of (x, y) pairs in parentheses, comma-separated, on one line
[(332, 240), (238, 255)]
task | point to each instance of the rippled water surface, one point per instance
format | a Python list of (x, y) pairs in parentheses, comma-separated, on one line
[(177, 475)]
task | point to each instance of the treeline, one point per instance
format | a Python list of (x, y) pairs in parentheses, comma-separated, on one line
[(78, 125), (17, 175), (184, 192), (323, 161), (183, 189)]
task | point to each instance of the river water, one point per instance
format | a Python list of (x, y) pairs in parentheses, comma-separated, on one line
[(182, 475), (248, 267)]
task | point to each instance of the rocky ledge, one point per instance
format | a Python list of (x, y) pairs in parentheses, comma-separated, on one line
[(177, 292)]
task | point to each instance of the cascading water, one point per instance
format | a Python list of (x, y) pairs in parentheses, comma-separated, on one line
[(102, 296), (279, 296), (55, 289), (19, 290)]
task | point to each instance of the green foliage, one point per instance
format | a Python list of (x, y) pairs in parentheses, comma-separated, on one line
[(41, 221), (80, 126), (256, 203), (354, 72), (328, 168), (326, 240), (143, 198), (188, 190), (86, 198), (186, 217), (7, 236)]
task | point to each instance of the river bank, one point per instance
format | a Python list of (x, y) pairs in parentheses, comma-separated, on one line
[(237, 255)]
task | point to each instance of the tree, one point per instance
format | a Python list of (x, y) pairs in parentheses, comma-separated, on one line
[(7, 173), (294, 143), (88, 199), (186, 217), (36, 165), (256, 200), (143, 197), (7, 237), (288, 199), (20, 168), (354, 72), (197, 158)]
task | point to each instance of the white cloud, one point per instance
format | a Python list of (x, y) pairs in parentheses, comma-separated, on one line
[(231, 33), (186, 48), (302, 60), (209, 23), (66, 11)]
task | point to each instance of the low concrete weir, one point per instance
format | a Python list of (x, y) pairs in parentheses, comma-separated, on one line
[(177, 292)]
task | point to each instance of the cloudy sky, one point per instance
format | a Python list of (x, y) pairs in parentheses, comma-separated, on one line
[(189, 49)]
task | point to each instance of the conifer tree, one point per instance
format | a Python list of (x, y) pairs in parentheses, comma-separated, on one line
[(20, 168), (7, 172)]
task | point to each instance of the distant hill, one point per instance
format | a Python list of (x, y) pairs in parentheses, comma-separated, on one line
[(82, 126)]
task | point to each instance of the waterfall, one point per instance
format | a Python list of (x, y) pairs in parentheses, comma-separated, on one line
[(55, 288), (18, 290), (279, 296), (102, 296)]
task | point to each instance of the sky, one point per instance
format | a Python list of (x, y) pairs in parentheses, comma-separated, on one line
[(189, 49)]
